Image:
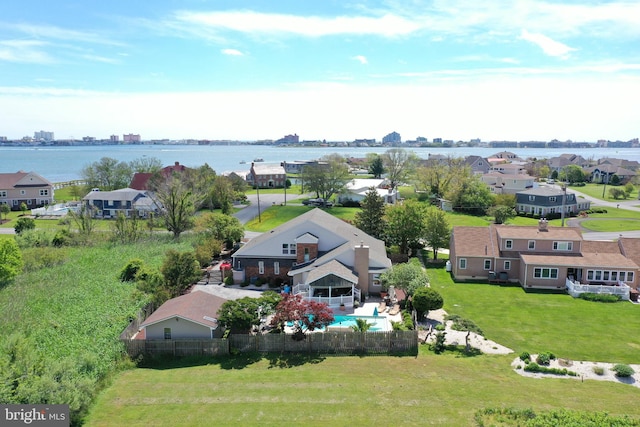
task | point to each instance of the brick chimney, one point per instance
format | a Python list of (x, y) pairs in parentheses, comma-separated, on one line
[(361, 267)]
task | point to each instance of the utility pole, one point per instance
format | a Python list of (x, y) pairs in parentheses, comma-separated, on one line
[(255, 182), (564, 198)]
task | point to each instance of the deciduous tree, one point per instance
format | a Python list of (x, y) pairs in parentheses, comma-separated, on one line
[(178, 204), (501, 214), (437, 230), (407, 276), (10, 260), (305, 315), (180, 270), (241, 315), (225, 228), (4, 210), (23, 224), (405, 225), (399, 164)]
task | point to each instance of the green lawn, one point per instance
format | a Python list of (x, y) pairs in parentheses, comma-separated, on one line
[(595, 190), (612, 225), (277, 215), (425, 390)]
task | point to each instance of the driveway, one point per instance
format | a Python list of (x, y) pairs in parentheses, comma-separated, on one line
[(7, 231)]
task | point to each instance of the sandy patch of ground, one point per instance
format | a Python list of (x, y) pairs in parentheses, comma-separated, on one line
[(582, 368), (453, 337)]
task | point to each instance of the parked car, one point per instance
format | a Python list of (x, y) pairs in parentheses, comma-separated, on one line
[(317, 202)]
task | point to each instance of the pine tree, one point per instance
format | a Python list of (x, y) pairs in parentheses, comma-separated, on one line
[(370, 218)]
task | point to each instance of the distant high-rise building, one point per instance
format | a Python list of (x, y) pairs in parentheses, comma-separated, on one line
[(43, 136), (114, 138), (131, 137), (3, 139), (289, 139), (393, 137)]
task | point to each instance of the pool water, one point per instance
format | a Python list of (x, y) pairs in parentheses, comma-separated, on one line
[(378, 323)]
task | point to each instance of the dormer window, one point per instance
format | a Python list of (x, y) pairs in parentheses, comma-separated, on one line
[(562, 246), (508, 244)]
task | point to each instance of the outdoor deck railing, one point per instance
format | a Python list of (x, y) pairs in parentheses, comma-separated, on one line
[(576, 288)]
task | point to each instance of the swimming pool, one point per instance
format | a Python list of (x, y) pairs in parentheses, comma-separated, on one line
[(378, 323)]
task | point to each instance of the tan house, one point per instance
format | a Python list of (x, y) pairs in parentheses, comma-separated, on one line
[(25, 187), (542, 257), (264, 175), (190, 316)]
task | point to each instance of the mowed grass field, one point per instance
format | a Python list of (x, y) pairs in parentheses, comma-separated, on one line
[(429, 389)]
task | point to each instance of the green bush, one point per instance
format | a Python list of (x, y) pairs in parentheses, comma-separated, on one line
[(544, 358), (525, 356), (24, 224), (534, 367), (623, 371), (598, 370), (43, 257), (129, 271), (228, 281), (590, 296)]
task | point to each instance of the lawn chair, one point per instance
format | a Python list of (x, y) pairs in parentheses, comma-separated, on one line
[(394, 310), (382, 307)]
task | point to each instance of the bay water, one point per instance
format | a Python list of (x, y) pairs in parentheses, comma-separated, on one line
[(61, 164)]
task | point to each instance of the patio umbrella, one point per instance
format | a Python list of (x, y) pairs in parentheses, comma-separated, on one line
[(375, 311)]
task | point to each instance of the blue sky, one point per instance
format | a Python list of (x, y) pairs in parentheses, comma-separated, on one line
[(335, 70)]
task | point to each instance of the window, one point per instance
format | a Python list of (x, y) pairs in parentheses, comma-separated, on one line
[(623, 274), (552, 198), (487, 264), (590, 275), (285, 249), (15, 203), (167, 333), (630, 276), (44, 192), (276, 267), (614, 275), (462, 264), (508, 244), (3, 193), (260, 267), (532, 198), (532, 244), (507, 265), (598, 275), (605, 275), (562, 246), (292, 248), (23, 192), (545, 273)]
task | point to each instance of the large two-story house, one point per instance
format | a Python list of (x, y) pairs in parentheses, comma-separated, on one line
[(541, 257), (546, 201), (25, 187), (107, 204), (323, 257)]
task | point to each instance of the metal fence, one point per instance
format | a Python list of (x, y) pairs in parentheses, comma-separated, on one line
[(327, 343)]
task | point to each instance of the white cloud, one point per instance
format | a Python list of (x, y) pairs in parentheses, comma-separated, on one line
[(361, 58), (232, 52), (57, 33), (311, 26), (547, 44), (103, 59), (25, 51)]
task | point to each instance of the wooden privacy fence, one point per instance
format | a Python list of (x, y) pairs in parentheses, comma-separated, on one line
[(337, 343)]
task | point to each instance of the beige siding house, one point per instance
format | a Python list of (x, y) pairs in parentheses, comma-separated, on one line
[(25, 187), (541, 257)]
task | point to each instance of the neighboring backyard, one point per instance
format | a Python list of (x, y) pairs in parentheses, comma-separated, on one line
[(428, 389)]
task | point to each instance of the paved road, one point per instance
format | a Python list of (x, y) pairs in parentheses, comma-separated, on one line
[(630, 205)]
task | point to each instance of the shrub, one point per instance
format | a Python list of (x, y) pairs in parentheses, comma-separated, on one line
[(525, 356), (534, 367), (439, 345), (24, 224), (544, 358), (440, 327), (228, 281), (129, 271), (590, 296), (598, 370), (623, 371)]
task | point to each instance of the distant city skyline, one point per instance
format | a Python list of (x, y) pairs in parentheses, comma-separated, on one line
[(248, 70)]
